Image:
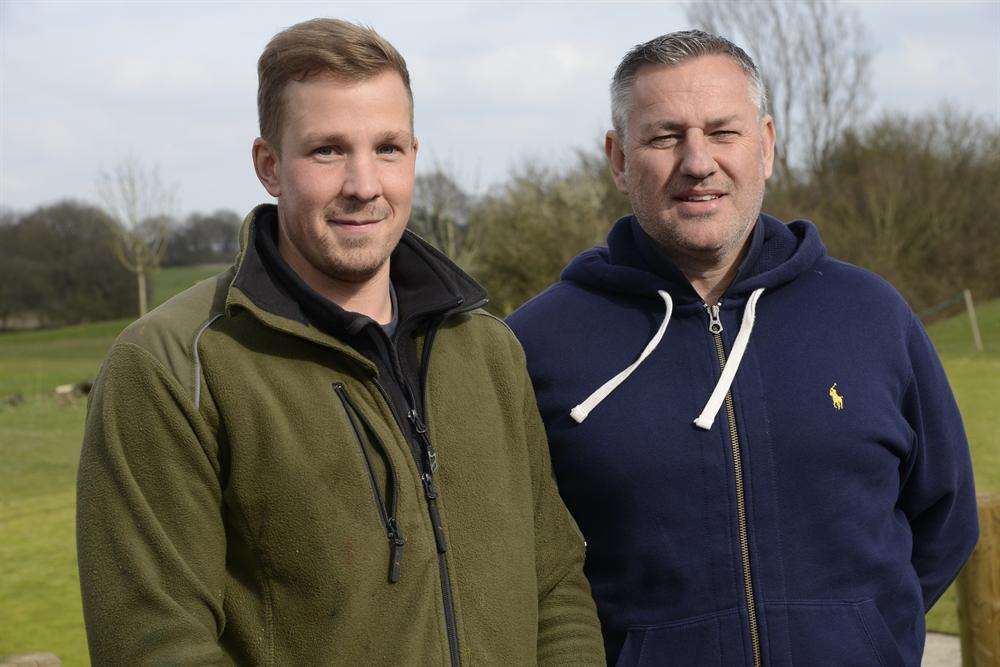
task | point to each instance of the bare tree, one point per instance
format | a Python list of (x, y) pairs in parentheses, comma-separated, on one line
[(140, 207), (814, 59), (441, 215)]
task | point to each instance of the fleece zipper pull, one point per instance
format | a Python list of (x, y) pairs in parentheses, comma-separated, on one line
[(421, 429), (427, 478), (386, 507), (396, 543)]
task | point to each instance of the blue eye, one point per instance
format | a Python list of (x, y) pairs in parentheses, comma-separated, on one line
[(388, 149), (328, 150)]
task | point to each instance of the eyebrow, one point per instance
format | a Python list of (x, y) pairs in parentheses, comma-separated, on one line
[(389, 136), (671, 126)]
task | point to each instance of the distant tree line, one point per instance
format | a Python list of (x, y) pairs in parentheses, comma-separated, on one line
[(59, 263), (57, 267), (211, 238), (912, 198)]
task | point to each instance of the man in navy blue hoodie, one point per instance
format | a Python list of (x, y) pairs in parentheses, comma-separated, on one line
[(758, 440)]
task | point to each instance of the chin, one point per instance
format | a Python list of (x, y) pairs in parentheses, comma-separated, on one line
[(354, 266)]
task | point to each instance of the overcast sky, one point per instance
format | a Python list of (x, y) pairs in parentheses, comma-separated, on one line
[(83, 84)]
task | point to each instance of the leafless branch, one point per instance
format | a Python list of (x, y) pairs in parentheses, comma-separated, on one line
[(814, 59)]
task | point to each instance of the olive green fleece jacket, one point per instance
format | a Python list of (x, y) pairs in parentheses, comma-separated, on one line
[(229, 489)]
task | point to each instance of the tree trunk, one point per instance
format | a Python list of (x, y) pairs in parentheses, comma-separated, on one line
[(140, 276)]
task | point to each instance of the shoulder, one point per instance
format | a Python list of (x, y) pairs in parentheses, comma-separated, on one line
[(561, 304), (859, 290), (482, 331), (855, 277), (168, 334)]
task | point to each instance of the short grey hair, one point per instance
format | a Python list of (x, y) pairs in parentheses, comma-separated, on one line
[(673, 49)]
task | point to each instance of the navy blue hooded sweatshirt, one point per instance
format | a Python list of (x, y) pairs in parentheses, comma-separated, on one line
[(828, 504)]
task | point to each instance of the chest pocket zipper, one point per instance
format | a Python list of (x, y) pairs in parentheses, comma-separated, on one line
[(386, 505)]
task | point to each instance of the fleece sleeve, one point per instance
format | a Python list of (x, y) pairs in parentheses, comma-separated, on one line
[(569, 632), (150, 537), (937, 495)]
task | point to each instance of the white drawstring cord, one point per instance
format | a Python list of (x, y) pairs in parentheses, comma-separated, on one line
[(580, 412), (707, 416)]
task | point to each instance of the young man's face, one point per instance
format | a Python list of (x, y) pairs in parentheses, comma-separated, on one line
[(344, 177), (695, 156)]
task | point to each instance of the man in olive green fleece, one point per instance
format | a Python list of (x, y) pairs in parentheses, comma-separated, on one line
[(329, 454)]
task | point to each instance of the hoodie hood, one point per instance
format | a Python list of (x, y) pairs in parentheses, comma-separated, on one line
[(632, 264)]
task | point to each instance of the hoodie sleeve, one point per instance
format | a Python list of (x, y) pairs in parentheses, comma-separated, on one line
[(569, 632), (938, 495), (150, 537)]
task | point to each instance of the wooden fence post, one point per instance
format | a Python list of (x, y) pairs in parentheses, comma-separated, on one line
[(971, 309), (979, 591)]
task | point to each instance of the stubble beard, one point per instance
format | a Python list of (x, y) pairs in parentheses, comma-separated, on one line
[(354, 260), (666, 231), (343, 259)]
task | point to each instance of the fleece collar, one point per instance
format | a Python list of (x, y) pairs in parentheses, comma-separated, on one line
[(427, 284)]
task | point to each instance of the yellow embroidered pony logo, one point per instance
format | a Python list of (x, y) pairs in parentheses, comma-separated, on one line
[(838, 400)]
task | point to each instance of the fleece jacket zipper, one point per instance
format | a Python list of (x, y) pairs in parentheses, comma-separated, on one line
[(426, 458), (386, 514), (430, 467)]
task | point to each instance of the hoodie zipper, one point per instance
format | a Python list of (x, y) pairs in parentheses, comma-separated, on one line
[(386, 514), (715, 328)]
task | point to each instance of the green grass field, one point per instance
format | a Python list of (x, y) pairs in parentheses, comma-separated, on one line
[(40, 439), (169, 282)]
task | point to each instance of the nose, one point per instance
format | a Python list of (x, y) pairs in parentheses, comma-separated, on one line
[(696, 157), (361, 179)]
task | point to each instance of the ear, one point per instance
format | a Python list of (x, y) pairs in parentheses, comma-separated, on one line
[(615, 152), (770, 136), (265, 163)]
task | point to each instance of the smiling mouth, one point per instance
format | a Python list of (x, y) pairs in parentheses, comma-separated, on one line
[(698, 198), (353, 223)]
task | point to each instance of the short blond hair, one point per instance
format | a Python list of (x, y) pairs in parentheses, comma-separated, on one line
[(320, 46)]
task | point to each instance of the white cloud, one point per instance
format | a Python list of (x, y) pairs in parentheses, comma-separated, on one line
[(82, 84)]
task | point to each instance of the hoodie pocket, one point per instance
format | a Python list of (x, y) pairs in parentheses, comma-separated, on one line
[(386, 505), (840, 634), (700, 642)]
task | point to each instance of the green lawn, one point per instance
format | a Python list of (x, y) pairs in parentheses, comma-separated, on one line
[(39, 444), (975, 379), (169, 282)]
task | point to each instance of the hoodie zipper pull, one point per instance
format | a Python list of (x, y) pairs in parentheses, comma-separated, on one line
[(396, 542), (714, 321)]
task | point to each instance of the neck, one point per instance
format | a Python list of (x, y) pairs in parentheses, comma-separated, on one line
[(369, 297), (710, 275), (711, 281)]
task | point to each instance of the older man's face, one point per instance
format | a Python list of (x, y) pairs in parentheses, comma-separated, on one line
[(695, 157)]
